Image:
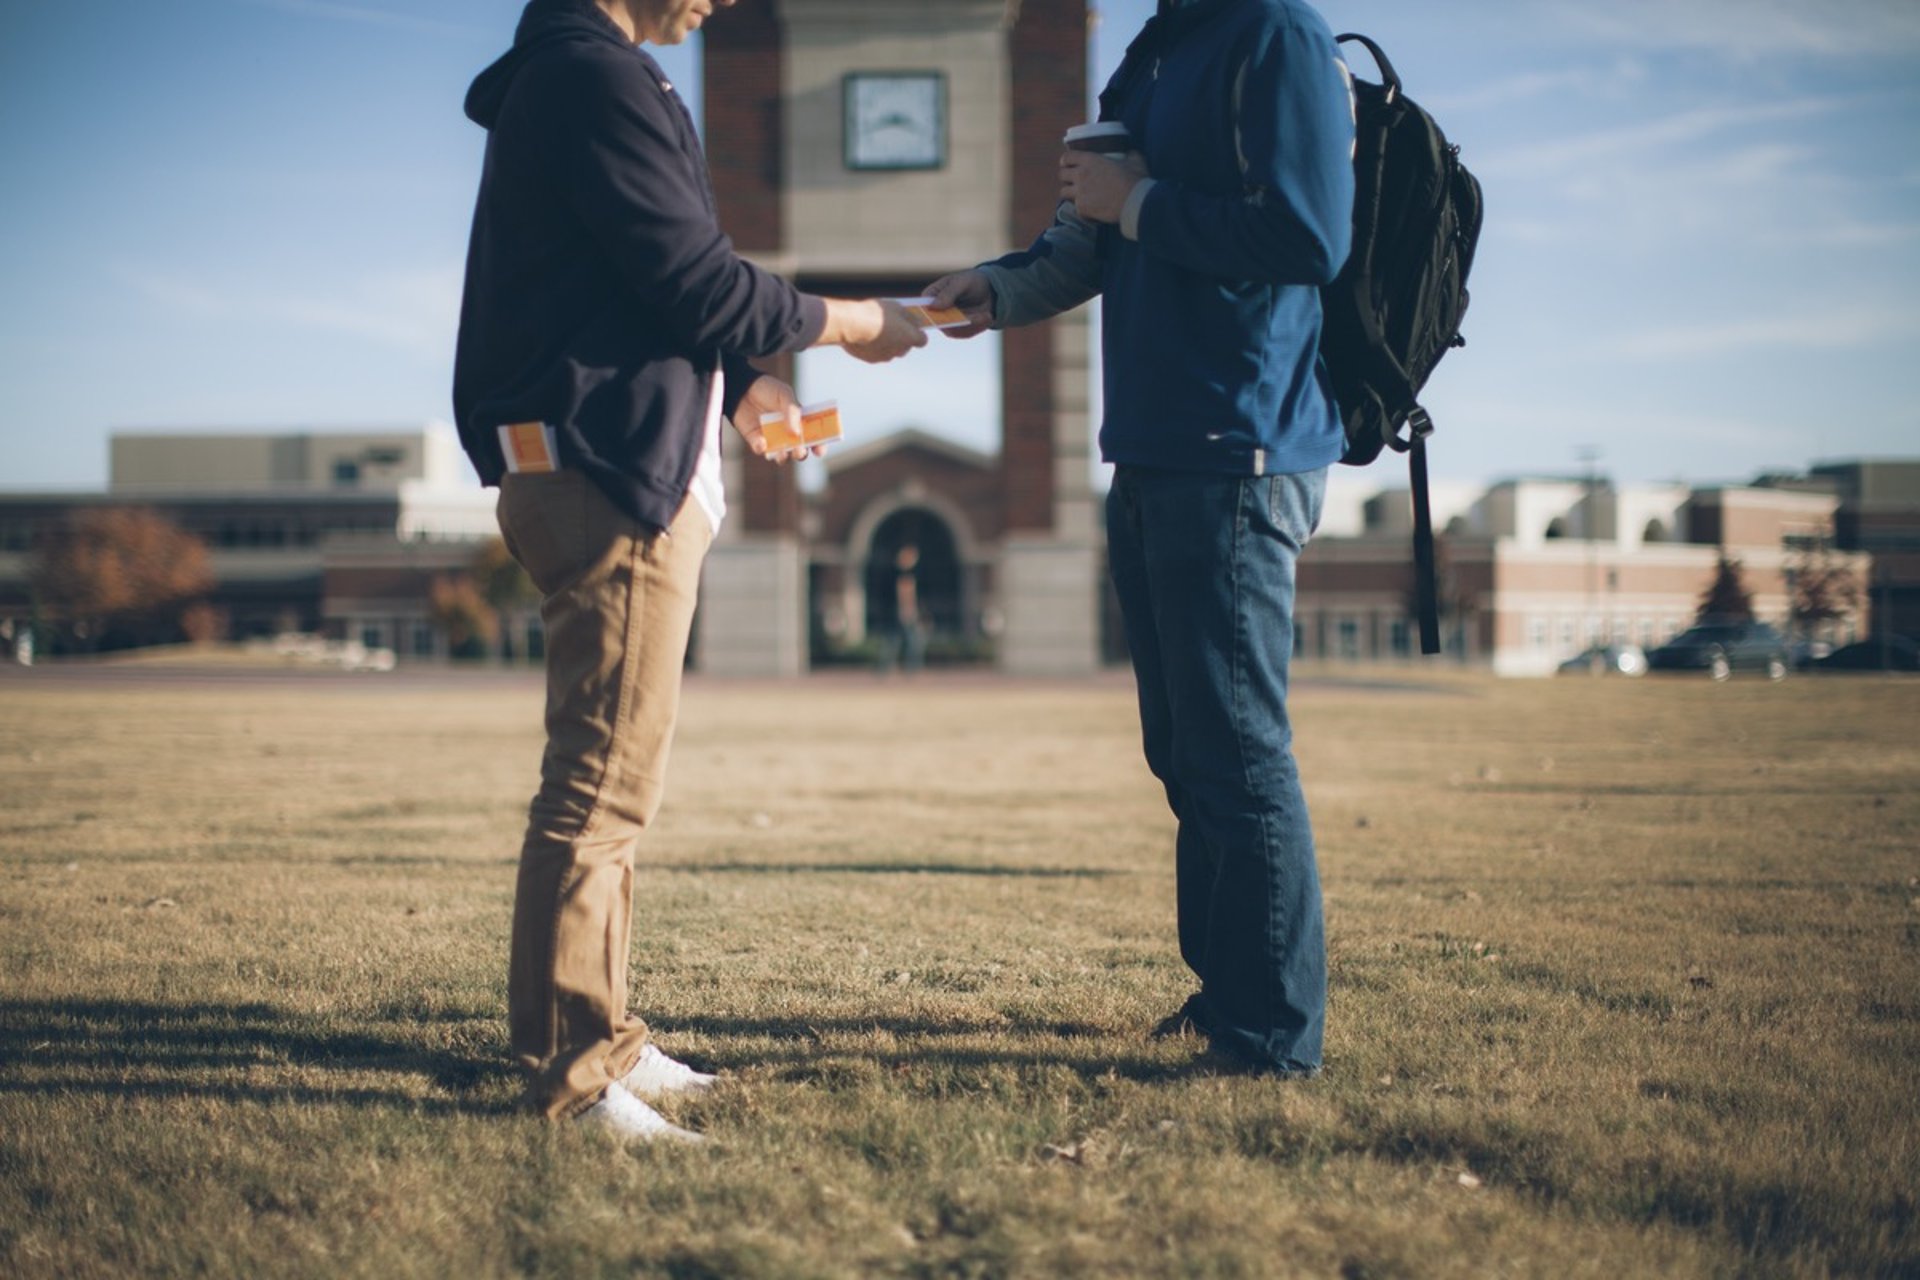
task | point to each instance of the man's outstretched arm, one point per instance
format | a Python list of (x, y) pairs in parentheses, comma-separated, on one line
[(1057, 273)]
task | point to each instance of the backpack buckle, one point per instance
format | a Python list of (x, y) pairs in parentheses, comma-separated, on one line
[(1419, 425)]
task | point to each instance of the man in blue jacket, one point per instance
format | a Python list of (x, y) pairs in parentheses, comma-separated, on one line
[(605, 334), (1207, 244)]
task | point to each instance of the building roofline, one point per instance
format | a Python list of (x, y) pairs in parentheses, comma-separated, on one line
[(908, 437)]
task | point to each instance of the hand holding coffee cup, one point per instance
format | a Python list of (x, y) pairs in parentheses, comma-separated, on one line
[(1099, 169)]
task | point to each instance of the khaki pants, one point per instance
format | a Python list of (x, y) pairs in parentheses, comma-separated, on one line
[(618, 607)]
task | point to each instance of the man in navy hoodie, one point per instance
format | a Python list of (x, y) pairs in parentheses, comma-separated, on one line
[(605, 334), (1207, 244)]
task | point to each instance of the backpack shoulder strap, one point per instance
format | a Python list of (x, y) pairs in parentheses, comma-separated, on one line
[(1388, 76)]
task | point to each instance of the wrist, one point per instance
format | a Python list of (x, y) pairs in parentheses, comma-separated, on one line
[(852, 320)]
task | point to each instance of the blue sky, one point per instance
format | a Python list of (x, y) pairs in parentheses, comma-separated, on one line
[(1702, 249)]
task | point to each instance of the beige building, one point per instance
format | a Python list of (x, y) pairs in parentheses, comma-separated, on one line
[(345, 534), (1532, 572), (306, 531)]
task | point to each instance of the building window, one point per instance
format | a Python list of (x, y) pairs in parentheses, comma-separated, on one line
[(1539, 633), (346, 473), (536, 642), (423, 640), (1398, 638), (373, 635), (1349, 638)]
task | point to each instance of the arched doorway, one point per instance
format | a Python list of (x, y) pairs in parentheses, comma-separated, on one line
[(913, 558)]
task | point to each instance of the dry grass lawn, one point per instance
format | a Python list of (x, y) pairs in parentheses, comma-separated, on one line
[(1626, 981)]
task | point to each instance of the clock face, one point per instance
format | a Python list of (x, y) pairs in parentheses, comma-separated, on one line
[(896, 120)]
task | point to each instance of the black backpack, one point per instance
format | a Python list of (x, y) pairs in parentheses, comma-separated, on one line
[(1396, 306)]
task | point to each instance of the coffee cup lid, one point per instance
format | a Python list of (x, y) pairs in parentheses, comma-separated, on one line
[(1099, 129)]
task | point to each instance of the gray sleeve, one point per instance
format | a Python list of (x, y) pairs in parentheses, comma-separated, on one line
[(1060, 271)]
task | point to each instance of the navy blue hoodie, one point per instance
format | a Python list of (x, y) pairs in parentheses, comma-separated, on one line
[(601, 294)]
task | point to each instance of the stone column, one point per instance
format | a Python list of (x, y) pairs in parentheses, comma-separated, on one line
[(753, 595)]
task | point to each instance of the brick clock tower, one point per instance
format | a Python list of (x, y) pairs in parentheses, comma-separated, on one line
[(863, 148)]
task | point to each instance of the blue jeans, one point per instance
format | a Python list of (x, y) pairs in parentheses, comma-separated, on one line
[(1204, 568)]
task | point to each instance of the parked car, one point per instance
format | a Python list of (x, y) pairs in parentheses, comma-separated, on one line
[(1880, 653), (1802, 654), (1722, 648), (1608, 660)]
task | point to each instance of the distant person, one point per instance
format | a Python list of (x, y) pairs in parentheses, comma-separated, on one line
[(1207, 243), (604, 335), (906, 647)]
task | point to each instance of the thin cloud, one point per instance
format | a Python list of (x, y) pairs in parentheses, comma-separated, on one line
[(183, 296), (1645, 137), (371, 16), (1531, 86), (1745, 436), (1832, 331), (411, 311), (1845, 233), (1750, 29), (1500, 93)]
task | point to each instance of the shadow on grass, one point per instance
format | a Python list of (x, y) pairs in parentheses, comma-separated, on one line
[(889, 868), (805, 1056), (135, 1049)]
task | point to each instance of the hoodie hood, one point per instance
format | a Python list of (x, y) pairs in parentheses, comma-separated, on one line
[(544, 22)]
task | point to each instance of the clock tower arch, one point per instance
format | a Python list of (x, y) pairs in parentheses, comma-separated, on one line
[(865, 147)]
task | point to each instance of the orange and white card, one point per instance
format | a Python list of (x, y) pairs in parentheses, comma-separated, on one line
[(928, 316), (529, 448), (819, 424)]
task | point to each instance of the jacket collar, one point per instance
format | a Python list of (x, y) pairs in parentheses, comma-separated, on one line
[(1162, 32)]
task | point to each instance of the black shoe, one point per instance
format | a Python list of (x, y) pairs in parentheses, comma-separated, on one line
[(1188, 1020), (1219, 1062)]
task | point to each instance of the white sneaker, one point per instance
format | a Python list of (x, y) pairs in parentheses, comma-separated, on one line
[(625, 1116), (656, 1075)]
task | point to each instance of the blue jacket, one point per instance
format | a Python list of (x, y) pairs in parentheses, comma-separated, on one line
[(1243, 110), (601, 295)]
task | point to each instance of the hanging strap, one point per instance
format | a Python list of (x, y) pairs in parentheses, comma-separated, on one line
[(1425, 588), (1388, 76)]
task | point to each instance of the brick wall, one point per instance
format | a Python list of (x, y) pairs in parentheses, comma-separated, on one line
[(1048, 49), (741, 97)]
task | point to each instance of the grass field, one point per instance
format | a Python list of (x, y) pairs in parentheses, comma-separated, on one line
[(1625, 981)]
